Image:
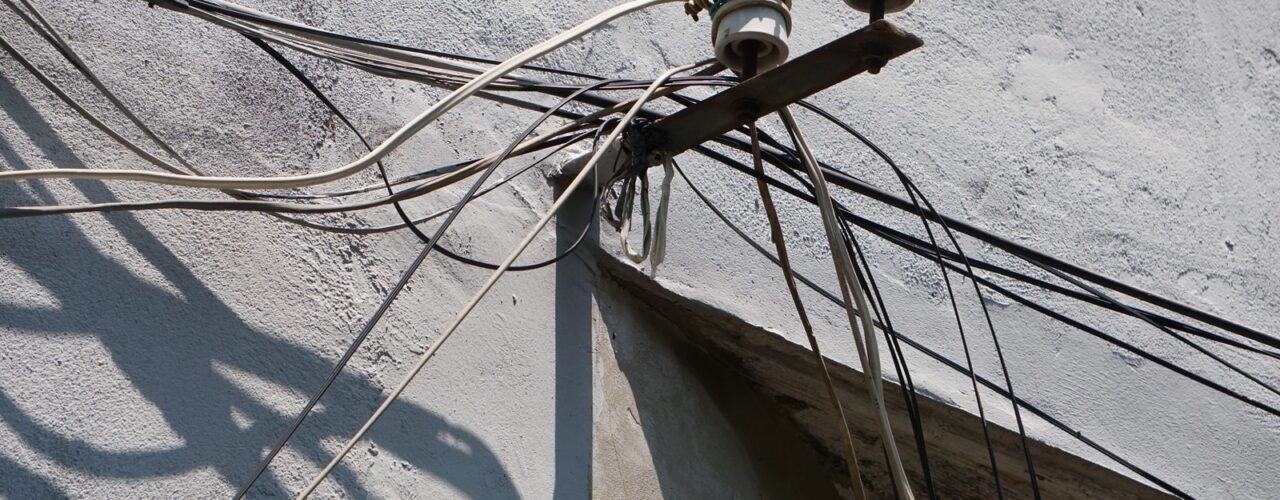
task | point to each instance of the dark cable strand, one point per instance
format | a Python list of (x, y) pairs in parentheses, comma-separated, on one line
[(780, 246), (404, 217), (881, 311), (862, 188), (908, 186), (931, 207), (920, 347), (347, 38), (964, 342), (908, 241), (899, 359)]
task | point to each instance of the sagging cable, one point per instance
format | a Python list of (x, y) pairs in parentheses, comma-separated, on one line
[(587, 170), (859, 313), (658, 252), (409, 130)]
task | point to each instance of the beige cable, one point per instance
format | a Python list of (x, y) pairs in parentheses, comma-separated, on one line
[(784, 261), (390, 144), (865, 340), (493, 278)]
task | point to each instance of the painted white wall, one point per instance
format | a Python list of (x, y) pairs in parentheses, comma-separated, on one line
[(153, 354)]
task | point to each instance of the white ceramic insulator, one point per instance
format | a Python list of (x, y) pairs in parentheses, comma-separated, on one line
[(766, 21)]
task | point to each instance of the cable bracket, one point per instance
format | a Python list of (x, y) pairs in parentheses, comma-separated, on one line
[(867, 49)]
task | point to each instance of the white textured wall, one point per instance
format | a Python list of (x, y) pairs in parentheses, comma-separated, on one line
[(151, 355)]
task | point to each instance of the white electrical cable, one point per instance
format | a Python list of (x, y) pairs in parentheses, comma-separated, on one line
[(658, 252), (390, 144), (493, 279), (628, 209), (847, 277)]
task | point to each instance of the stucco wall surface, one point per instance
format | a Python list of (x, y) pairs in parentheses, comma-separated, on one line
[(155, 355)]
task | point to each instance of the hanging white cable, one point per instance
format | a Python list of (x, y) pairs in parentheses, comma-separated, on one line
[(847, 277), (390, 144), (493, 279), (658, 252), (439, 181), (628, 209)]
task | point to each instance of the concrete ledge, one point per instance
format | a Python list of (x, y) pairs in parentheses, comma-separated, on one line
[(783, 372)]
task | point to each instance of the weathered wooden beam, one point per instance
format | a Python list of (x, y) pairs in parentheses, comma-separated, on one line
[(867, 49)]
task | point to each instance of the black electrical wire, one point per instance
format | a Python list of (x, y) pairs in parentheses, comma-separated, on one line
[(923, 249), (214, 205), (916, 345), (908, 186), (785, 157), (906, 384), (1102, 299), (964, 342), (57, 42), (382, 170), (407, 222), (776, 259), (907, 241), (245, 22), (119, 138), (52, 37), (42, 27), (1028, 254), (788, 156), (365, 230), (1144, 317), (1004, 369), (24, 211), (577, 242), (93, 120), (223, 205), (175, 5), (862, 188), (926, 252), (1094, 300), (835, 176), (847, 182), (45, 30), (900, 365), (901, 368)]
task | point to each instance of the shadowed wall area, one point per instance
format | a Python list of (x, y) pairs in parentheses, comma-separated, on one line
[(168, 345)]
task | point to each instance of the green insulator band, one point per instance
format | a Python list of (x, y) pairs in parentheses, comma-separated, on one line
[(716, 6)]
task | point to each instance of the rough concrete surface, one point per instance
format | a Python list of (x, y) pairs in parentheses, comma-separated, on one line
[(155, 355)]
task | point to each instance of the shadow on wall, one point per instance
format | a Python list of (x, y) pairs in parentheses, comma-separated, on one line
[(708, 432), (168, 346)]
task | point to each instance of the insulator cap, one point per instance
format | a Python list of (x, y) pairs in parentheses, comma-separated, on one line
[(765, 21)]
